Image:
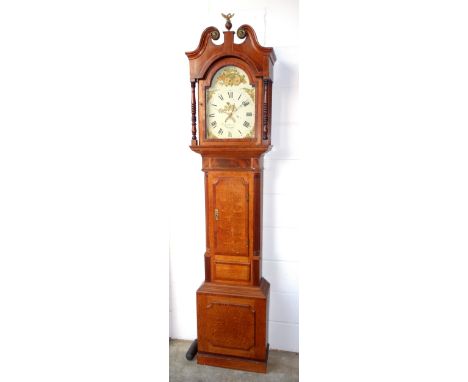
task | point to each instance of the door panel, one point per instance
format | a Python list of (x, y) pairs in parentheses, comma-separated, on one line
[(231, 215)]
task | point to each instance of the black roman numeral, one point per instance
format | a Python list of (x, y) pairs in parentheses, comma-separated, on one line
[(220, 131), (246, 124), (248, 114), (211, 115), (220, 96), (238, 98), (230, 94), (213, 123), (245, 103)]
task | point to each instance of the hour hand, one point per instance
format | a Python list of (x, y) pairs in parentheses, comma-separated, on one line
[(230, 117)]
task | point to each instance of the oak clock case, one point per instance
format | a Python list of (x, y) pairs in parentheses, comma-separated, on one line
[(231, 89)]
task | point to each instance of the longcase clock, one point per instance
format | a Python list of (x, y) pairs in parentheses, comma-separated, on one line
[(231, 87)]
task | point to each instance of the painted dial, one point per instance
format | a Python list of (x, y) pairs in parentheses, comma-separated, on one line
[(230, 105)]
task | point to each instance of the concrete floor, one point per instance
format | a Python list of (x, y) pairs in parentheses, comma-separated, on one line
[(283, 366)]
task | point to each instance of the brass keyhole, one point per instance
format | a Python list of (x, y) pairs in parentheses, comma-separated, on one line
[(216, 214)]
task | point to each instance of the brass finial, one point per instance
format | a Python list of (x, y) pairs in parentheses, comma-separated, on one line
[(228, 18)]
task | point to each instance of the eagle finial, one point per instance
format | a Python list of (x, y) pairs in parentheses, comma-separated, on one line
[(228, 17)]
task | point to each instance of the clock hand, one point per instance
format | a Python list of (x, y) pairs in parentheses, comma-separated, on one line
[(228, 108), (230, 117)]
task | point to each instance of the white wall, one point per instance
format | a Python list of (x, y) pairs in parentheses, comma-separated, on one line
[(83, 227), (276, 24), (384, 95)]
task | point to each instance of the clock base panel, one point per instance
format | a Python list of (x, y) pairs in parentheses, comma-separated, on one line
[(232, 325)]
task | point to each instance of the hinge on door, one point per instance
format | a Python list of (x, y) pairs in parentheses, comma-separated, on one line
[(216, 214)]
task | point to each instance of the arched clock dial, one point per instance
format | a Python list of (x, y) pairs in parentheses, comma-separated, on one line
[(230, 105)]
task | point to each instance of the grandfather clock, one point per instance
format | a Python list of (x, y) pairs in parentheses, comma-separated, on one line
[(231, 88)]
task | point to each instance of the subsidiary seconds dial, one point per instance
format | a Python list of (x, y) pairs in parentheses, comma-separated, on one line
[(230, 105)]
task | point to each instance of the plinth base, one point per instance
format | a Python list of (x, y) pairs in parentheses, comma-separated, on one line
[(237, 363), (232, 326)]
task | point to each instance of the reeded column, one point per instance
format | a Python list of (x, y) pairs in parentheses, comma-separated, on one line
[(194, 115)]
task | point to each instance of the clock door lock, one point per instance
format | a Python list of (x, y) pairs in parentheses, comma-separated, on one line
[(216, 214)]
